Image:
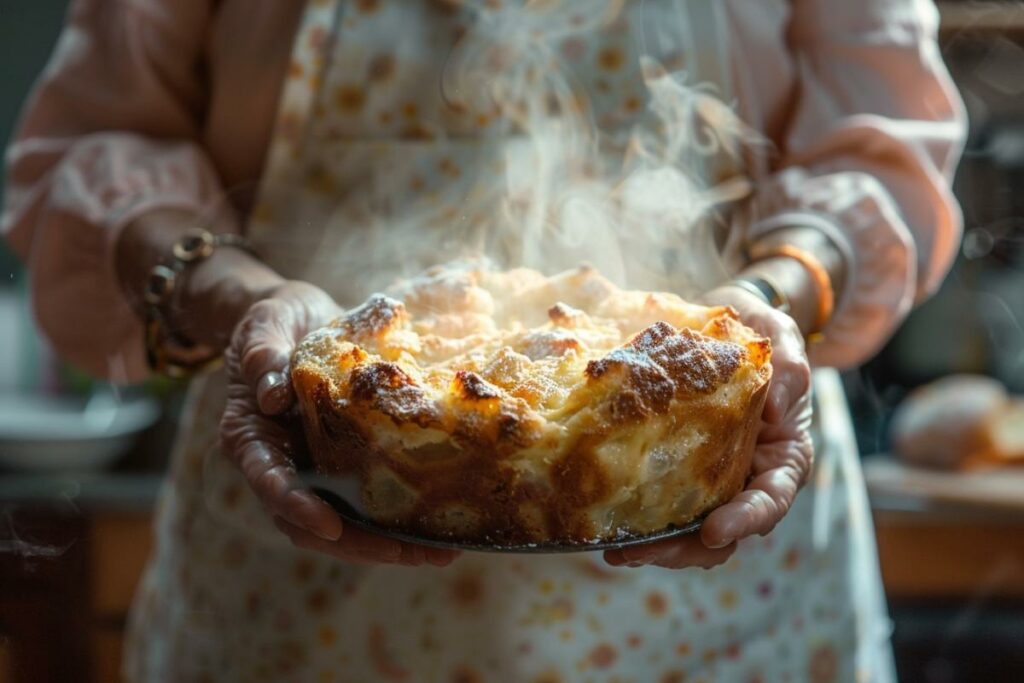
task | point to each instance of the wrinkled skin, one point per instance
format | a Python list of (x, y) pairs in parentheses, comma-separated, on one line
[(260, 438), (782, 459)]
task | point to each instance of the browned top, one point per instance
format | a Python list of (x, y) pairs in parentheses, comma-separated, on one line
[(524, 411)]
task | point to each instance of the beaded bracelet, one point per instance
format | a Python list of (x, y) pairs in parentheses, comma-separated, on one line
[(168, 352)]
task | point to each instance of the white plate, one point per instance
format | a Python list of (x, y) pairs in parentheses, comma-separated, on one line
[(47, 434)]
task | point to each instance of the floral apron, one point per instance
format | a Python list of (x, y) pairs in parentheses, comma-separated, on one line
[(369, 145)]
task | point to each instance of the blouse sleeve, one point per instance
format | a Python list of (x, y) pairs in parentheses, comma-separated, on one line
[(108, 134), (868, 157)]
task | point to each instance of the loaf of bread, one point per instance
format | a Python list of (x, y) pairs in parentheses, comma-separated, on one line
[(957, 422)]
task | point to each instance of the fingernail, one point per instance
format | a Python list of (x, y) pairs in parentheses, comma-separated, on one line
[(270, 381), (615, 558), (270, 390), (315, 516), (719, 544), (439, 560)]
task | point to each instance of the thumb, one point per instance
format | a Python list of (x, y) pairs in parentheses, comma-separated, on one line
[(263, 343), (791, 378)]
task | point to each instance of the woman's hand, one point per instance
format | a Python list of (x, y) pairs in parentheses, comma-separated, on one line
[(782, 459), (260, 443), (232, 299)]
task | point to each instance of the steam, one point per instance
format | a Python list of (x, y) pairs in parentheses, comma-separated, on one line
[(16, 543), (553, 183)]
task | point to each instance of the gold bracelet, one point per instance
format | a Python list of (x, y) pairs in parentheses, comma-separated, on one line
[(168, 352), (763, 288)]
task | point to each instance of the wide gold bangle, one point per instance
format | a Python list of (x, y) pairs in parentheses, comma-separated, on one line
[(167, 351)]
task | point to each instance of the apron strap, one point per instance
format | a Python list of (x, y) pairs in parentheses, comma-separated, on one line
[(709, 41), (710, 56), (710, 59)]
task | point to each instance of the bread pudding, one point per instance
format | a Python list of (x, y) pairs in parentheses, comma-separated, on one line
[(506, 407)]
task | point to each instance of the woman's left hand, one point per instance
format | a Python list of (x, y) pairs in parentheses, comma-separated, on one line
[(782, 459)]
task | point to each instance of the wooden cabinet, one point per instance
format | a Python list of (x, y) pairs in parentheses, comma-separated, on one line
[(948, 534), (953, 557), (120, 545), (66, 582), (951, 547), (120, 548)]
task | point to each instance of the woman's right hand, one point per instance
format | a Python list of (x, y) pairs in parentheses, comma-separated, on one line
[(233, 300), (259, 441)]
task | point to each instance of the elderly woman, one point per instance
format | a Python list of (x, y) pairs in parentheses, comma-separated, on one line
[(303, 115)]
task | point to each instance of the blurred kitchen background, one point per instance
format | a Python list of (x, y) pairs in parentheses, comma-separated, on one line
[(80, 462)]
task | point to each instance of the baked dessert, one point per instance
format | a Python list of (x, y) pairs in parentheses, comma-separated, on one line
[(511, 408)]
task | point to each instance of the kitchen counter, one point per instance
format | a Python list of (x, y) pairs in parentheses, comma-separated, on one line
[(994, 494), (102, 491), (948, 535)]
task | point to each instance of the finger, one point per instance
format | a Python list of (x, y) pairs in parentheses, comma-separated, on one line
[(791, 376), (776, 404), (354, 553), (440, 557), (784, 445), (670, 554), (411, 555), (356, 546), (801, 414), (789, 387), (274, 392), (272, 478), (756, 510), (263, 347), (362, 547)]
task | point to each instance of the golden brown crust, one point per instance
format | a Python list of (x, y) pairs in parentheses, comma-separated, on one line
[(508, 407)]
